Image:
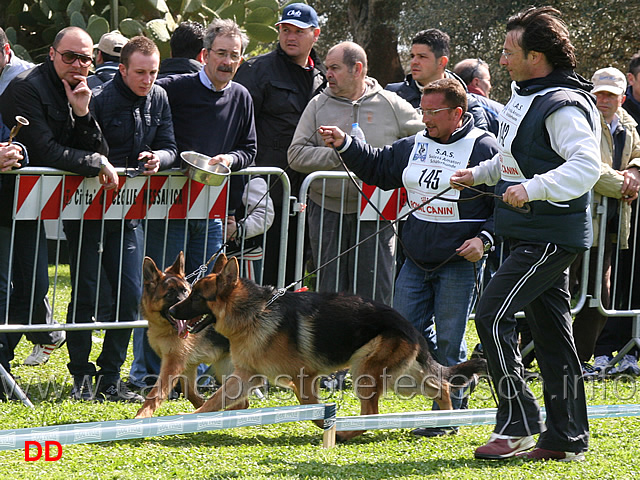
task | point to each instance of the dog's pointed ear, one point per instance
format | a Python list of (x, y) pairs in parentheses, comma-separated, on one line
[(178, 266), (221, 261), (150, 272), (228, 277)]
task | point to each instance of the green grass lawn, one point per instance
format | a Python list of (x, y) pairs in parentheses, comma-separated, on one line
[(293, 451)]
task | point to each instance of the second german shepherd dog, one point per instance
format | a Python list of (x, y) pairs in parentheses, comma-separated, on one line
[(302, 336), (175, 342)]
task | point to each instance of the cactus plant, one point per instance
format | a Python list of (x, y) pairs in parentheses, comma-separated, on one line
[(31, 25)]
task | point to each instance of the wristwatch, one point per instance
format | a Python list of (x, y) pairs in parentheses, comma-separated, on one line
[(103, 161), (486, 241)]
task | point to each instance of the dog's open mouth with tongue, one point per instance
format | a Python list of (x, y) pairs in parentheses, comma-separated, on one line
[(195, 325)]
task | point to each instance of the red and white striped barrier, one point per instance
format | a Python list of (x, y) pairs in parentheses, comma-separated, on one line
[(391, 203), (71, 197)]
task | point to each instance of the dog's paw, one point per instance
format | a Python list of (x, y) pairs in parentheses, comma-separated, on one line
[(144, 413)]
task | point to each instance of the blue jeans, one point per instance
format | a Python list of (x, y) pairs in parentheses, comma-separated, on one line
[(165, 240), (120, 246), (438, 304)]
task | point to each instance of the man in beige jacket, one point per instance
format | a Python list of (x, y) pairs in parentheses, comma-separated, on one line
[(383, 117), (619, 180)]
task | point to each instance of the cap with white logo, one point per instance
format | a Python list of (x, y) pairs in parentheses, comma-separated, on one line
[(609, 80), (300, 15)]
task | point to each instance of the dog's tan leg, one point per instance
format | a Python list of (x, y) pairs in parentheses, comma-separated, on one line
[(169, 371), (189, 386), (306, 389), (234, 390), (368, 388), (444, 398), (438, 389)]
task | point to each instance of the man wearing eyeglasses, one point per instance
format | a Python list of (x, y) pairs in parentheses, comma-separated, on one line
[(444, 241), (549, 159), (212, 115)]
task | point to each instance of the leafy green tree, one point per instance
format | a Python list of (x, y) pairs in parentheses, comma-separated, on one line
[(604, 32)]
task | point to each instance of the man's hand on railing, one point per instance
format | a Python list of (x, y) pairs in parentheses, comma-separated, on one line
[(10, 156), (108, 175), (150, 161), (630, 184)]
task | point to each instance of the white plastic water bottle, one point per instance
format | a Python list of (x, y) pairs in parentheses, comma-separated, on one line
[(357, 132)]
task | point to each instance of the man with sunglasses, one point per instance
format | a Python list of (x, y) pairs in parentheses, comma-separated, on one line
[(54, 97), (62, 133)]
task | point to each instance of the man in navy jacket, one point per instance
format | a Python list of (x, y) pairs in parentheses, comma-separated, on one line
[(445, 240)]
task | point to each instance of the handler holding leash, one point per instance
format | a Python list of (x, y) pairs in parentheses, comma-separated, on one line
[(444, 241), (549, 156)]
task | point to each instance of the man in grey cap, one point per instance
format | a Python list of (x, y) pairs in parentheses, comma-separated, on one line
[(281, 84), (107, 58)]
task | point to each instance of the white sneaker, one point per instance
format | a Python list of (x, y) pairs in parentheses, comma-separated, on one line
[(628, 365), (601, 364), (41, 352)]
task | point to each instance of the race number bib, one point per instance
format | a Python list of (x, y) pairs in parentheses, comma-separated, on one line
[(430, 167), (510, 120)]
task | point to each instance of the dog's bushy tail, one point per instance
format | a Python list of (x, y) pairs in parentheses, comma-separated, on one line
[(461, 374)]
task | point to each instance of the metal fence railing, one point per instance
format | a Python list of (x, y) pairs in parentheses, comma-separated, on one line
[(50, 200)]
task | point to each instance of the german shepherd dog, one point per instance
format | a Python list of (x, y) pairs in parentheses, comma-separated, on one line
[(302, 336), (176, 342)]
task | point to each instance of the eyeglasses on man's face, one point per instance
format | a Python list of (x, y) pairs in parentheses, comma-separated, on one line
[(222, 54), (69, 57), (430, 113)]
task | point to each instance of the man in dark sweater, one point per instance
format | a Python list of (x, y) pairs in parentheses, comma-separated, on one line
[(212, 115)]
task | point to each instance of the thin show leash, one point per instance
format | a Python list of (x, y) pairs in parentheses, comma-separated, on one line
[(480, 193), (202, 270)]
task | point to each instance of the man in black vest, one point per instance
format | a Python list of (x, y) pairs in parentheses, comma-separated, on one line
[(552, 171)]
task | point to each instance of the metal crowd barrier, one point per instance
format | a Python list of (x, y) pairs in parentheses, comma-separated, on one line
[(388, 203), (625, 301), (46, 194), (391, 204)]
